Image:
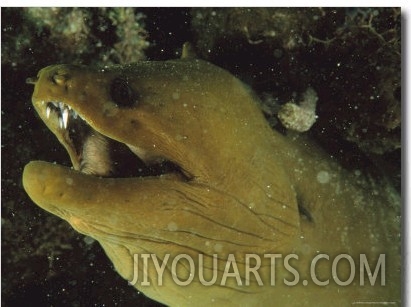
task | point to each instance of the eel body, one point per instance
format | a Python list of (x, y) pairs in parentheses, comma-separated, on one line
[(175, 157)]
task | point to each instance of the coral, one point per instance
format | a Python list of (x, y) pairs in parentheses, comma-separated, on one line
[(131, 44), (300, 117), (68, 27), (100, 36)]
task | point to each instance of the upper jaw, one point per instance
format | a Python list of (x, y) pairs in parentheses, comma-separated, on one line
[(57, 116), (72, 116), (92, 152)]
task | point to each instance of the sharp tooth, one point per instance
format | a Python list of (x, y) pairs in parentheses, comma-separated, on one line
[(48, 110), (74, 114), (69, 107), (65, 117), (60, 122)]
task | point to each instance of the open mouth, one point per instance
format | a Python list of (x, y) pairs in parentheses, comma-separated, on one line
[(96, 154)]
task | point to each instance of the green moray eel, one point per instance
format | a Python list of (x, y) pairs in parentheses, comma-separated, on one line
[(175, 157)]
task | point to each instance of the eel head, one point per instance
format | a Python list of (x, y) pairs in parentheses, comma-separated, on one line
[(168, 157)]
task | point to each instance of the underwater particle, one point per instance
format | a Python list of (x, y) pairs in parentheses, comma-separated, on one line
[(88, 240), (218, 247), (176, 95), (278, 53), (300, 117), (323, 177), (172, 226)]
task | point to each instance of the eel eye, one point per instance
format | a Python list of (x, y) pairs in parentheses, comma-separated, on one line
[(121, 93)]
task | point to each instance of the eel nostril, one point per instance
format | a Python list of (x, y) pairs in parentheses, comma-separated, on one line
[(32, 80)]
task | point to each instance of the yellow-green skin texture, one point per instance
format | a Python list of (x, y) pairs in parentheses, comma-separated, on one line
[(246, 182)]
